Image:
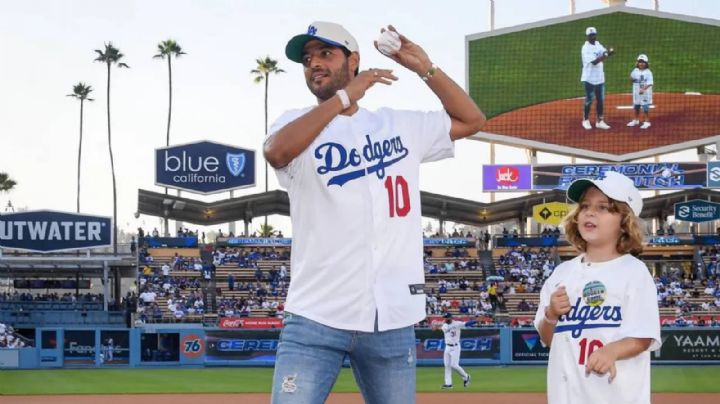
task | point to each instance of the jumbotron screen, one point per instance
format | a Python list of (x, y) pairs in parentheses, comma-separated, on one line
[(527, 80)]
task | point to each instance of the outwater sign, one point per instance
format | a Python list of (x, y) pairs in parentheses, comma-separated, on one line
[(204, 167), (45, 231), (697, 211)]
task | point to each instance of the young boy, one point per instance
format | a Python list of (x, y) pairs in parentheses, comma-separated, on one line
[(598, 312), (642, 84)]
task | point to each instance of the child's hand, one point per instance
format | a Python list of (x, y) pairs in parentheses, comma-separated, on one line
[(559, 303), (601, 362)]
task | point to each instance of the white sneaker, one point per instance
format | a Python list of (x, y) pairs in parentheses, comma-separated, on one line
[(645, 125), (586, 124), (602, 125), (634, 122)]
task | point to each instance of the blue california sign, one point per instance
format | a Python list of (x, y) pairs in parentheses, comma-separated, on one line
[(204, 167), (45, 231), (697, 211)]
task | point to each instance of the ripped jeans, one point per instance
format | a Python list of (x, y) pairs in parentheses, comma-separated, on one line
[(310, 355)]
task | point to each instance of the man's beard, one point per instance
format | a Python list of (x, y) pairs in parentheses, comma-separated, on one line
[(339, 80)]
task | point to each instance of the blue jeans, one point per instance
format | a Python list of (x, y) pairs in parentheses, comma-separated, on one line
[(310, 355), (597, 90)]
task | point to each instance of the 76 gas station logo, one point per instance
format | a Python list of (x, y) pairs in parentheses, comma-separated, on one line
[(192, 346)]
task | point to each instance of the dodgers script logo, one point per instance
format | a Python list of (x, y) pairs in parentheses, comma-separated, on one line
[(576, 320), (235, 163), (378, 155)]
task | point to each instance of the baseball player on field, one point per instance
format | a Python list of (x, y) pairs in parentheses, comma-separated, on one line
[(351, 174), (451, 358), (598, 312)]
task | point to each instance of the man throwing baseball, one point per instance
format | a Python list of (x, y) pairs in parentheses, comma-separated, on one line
[(451, 358), (593, 78), (351, 174)]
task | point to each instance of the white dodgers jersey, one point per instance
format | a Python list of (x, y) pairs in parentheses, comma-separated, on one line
[(357, 250), (452, 332), (610, 301)]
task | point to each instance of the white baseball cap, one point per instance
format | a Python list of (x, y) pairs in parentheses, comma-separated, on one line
[(328, 32), (590, 31), (613, 184), (643, 57)]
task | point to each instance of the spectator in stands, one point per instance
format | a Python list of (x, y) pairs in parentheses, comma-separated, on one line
[(133, 246), (515, 233), (155, 232), (505, 232), (523, 305), (231, 282)]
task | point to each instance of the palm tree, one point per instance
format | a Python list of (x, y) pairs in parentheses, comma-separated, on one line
[(262, 72), (6, 183), (169, 48), (81, 92), (111, 56)]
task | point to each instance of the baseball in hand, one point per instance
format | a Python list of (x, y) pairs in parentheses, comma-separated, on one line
[(388, 42)]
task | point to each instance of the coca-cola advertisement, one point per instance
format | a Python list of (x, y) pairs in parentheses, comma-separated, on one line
[(251, 322)]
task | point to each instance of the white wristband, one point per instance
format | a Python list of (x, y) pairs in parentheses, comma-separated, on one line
[(342, 94)]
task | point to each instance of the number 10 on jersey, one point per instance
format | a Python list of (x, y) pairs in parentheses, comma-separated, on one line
[(398, 196)]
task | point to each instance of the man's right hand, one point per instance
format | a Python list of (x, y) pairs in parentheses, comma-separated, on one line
[(365, 79), (559, 304)]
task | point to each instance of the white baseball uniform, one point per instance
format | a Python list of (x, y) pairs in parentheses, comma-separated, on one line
[(355, 212), (610, 301), (593, 74), (642, 78), (451, 357)]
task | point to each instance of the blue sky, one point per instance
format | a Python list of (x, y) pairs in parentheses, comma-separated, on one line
[(47, 46)]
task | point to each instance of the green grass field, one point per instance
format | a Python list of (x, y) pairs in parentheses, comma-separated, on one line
[(538, 65), (698, 379)]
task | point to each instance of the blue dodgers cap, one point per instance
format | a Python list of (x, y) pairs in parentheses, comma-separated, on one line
[(328, 32), (448, 315)]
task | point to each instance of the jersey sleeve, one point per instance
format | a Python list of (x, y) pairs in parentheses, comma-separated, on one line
[(428, 132), (649, 80), (641, 316), (286, 174)]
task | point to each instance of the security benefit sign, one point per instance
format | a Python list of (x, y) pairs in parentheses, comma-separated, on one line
[(204, 167), (550, 213), (507, 177), (45, 231), (697, 211), (645, 175), (713, 174)]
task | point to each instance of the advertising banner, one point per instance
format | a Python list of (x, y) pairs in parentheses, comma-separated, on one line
[(79, 347), (660, 176), (241, 345), (114, 347), (526, 346), (550, 213), (713, 174), (475, 343), (507, 177), (697, 211), (457, 242), (46, 231), (689, 345), (255, 241), (204, 167), (251, 322)]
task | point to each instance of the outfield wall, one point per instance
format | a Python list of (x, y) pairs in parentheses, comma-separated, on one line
[(191, 346)]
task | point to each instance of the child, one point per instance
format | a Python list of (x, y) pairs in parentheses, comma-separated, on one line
[(642, 80), (598, 312)]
